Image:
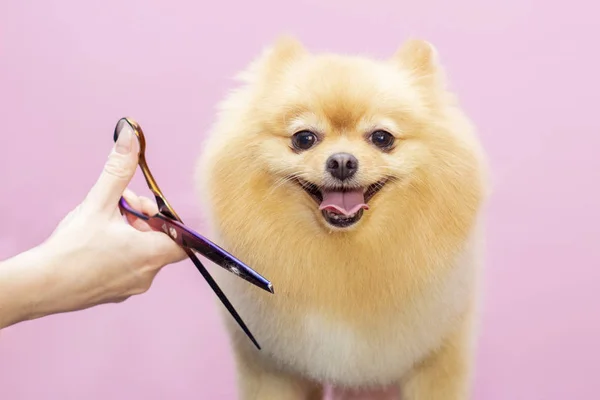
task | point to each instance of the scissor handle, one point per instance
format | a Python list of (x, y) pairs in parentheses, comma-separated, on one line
[(161, 201)]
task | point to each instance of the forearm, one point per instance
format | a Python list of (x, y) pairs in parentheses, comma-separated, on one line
[(19, 287), (27, 285)]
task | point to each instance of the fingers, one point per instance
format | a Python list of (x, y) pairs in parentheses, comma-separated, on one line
[(149, 207), (117, 173), (161, 248), (140, 204), (165, 249), (137, 223)]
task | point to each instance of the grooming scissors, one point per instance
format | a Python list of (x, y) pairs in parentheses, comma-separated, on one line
[(168, 222)]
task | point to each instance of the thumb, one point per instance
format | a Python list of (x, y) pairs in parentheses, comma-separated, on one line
[(117, 173)]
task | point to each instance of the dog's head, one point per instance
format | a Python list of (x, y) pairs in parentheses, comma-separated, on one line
[(344, 140)]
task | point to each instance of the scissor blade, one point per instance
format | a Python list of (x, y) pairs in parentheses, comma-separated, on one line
[(221, 295), (162, 223), (189, 238)]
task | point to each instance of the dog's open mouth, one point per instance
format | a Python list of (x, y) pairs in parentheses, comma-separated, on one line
[(342, 208)]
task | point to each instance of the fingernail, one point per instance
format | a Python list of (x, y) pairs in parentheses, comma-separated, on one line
[(125, 139)]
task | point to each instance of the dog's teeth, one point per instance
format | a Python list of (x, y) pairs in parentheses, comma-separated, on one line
[(338, 217)]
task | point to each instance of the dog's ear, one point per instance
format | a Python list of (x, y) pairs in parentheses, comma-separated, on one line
[(285, 49), (274, 59), (420, 59)]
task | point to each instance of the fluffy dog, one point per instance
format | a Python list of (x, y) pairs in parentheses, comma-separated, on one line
[(356, 186)]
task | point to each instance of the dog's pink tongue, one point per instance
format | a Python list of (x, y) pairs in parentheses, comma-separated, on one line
[(346, 203)]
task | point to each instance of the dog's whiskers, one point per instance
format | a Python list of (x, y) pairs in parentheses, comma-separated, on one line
[(297, 176)]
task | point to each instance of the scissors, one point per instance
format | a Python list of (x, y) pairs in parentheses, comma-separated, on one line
[(169, 223)]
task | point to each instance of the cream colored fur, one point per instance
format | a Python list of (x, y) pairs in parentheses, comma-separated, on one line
[(389, 301)]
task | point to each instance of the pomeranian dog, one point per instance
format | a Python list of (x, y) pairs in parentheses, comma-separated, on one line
[(356, 186)]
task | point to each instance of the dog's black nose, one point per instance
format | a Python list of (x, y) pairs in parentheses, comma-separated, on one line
[(342, 166)]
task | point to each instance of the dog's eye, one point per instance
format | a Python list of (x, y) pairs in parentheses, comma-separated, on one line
[(304, 140), (382, 139)]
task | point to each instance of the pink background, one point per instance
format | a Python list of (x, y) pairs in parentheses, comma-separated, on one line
[(527, 72)]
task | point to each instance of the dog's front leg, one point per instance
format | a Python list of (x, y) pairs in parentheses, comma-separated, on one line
[(446, 373)]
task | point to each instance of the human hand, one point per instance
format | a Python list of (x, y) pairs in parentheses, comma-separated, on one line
[(97, 256)]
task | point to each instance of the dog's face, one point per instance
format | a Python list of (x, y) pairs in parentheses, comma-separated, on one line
[(338, 135), (341, 130)]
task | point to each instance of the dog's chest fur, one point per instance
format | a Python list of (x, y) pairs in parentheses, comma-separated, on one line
[(350, 352)]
